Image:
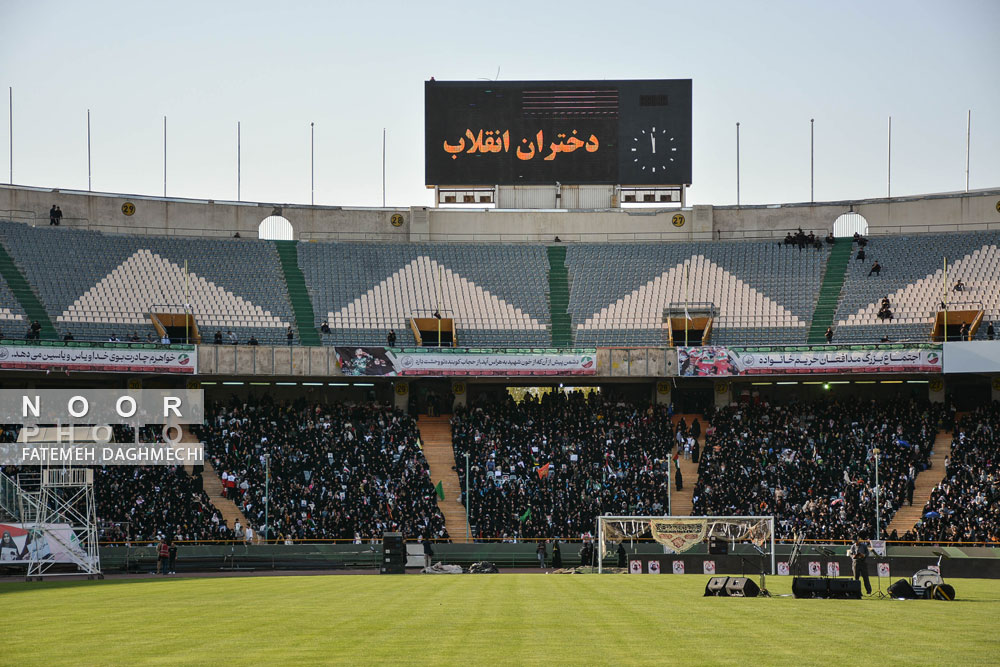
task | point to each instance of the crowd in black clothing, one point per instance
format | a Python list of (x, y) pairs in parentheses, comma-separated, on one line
[(549, 467), (142, 503), (885, 310), (965, 506), (803, 240), (812, 465), (337, 470)]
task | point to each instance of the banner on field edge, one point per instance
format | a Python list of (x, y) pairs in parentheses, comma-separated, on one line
[(51, 542), (720, 361)]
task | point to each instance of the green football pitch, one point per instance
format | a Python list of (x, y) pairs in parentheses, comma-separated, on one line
[(482, 619)]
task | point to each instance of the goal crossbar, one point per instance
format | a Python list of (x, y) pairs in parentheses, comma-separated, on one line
[(758, 529)]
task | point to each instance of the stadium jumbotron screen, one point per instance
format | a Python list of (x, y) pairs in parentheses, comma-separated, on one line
[(634, 132)]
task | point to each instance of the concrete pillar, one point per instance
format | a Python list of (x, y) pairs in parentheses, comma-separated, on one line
[(935, 390), (460, 393), (723, 393), (995, 394), (401, 391)]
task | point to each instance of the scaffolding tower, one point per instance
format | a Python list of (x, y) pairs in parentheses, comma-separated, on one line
[(64, 497)]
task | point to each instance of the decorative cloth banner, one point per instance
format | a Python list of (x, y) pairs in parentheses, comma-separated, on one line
[(678, 535), (459, 361)]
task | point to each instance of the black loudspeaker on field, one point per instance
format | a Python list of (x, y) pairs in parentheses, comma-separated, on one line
[(393, 554), (731, 587), (817, 587)]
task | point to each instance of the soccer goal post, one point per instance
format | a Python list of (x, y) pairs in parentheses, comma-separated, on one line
[(678, 534)]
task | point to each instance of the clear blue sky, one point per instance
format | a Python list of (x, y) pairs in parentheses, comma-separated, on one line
[(354, 68)]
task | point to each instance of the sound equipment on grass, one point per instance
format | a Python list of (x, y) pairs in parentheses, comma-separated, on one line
[(717, 546), (393, 554), (844, 589), (716, 587), (742, 587), (902, 589), (809, 587)]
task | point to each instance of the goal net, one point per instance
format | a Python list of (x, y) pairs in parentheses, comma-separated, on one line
[(678, 534)]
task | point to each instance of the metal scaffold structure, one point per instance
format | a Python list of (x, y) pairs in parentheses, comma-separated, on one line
[(61, 517)]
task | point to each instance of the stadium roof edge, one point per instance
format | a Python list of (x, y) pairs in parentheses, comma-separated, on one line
[(637, 212)]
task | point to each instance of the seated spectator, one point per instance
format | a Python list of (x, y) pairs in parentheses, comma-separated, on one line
[(336, 469), (232, 338), (965, 506), (253, 340), (959, 286), (812, 464), (217, 338), (547, 467), (68, 336), (391, 338), (860, 257), (876, 269), (830, 239), (325, 327)]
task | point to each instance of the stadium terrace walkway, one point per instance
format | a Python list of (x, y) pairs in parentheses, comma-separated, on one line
[(228, 510), (682, 502), (908, 515), (435, 438)]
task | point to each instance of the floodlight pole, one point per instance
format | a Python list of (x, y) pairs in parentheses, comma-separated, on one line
[(267, 494), (88, 154), (968, 146), (312, 164), (878, 531), (467, 537), (737, 165), (812, 161)]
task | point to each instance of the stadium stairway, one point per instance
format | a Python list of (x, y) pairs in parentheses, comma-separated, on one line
[(907, 516), (682, 502), (30, 303), (435, 438), (829, 292), (298, 294), (213, 487), (562, 330)]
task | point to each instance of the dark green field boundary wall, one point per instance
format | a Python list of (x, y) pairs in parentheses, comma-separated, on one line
[(977, 562)]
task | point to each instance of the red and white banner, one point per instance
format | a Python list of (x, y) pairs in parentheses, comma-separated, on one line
[(678, 567), (654, 567), (708, 567)]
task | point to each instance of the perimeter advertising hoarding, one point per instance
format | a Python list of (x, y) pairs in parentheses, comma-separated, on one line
[(717, 361), (634, 132), (380, 361), (101, 358), (977, 356)]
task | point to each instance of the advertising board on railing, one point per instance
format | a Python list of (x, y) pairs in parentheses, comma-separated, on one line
[(421, 361), (21, 543), (718, 361), (100, 358)]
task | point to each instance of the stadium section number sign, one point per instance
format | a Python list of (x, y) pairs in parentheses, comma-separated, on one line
[(128, 208), (542, 132), (717, 361)]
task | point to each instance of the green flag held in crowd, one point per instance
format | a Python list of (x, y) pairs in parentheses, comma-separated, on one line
[(439, 490), (526, 515)]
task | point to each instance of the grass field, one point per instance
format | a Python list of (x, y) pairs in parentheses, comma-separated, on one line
[(484, 619)]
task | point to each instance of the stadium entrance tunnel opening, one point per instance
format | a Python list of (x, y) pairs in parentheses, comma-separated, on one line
[(848, 224), (275, 228)]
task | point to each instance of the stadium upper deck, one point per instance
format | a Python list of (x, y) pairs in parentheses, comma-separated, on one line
[(101, 273)]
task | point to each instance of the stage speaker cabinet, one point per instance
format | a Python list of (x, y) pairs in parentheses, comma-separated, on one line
[(716, 587), (742, 587), (809, 587), (717, 546), (844, 589), (902, 589), (392, 568), (942, 592), (393, 554)]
